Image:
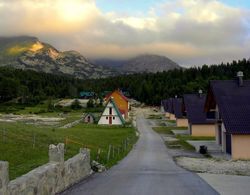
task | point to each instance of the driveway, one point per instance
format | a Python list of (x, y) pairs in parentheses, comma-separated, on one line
[(147, 170)]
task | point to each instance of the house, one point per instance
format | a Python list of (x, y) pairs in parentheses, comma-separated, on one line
[(230, 102), (121, 102), (164, 107), (89, 118), (179, 112), (170, 109), (87, 94), (111, 114), (198, 124)]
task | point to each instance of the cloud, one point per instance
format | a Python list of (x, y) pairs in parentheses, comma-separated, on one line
[(188, 31)]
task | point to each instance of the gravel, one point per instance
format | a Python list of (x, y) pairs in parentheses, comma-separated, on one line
[(215, 166)]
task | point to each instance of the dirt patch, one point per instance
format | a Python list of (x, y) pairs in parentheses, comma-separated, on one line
[(31, 119), (215, 166)]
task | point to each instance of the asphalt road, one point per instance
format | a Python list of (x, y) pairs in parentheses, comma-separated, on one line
[(147, 170)]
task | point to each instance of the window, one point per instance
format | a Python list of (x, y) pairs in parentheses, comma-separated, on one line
[(113, 118), (110, 111), (107, 118)]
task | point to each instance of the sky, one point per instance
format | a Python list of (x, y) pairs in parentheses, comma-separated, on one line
[(190, 32)]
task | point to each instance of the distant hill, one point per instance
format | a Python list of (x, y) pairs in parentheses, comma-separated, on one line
[(140, 64), (24, 52)]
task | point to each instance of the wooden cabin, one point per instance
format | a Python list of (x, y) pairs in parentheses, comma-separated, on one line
[(111, 114)]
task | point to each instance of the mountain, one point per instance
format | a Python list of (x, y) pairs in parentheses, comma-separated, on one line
[(139, 64), (149, 63), (26, 52)]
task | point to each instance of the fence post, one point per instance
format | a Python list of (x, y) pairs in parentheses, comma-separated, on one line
[(56, 153), (113, 152), (34, 140), (4, 177), (98, 154), (109, 151)]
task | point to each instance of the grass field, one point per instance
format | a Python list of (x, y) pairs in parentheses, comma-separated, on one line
[(26, 146)]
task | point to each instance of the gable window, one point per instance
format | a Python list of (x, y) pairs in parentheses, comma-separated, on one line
[(110, 111), (107, 118), (113, 118)]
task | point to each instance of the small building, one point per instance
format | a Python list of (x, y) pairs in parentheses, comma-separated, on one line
[(87, 94), (229, 100), (164, 107), (111, 114), (121, 102), (180, 112), (198, 124), (89, 118), (170, 109)]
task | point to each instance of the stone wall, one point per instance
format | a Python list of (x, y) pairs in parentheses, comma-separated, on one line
[(50, 178)]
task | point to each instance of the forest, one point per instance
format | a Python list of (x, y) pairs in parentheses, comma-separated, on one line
[(32, 87)]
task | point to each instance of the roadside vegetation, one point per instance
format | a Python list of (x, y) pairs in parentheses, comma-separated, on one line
[(25, 143), (179, 141)]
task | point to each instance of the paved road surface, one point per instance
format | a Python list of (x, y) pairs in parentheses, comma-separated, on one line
[(147, 170)]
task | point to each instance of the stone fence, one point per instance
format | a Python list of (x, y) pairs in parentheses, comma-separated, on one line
[(50, 178)]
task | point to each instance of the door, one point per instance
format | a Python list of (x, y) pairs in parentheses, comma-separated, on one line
[(220, 131), (110, 120), (228, 143)]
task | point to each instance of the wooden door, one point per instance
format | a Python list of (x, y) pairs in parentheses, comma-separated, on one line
[(110, 120)]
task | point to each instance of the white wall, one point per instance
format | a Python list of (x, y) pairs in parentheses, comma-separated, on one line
[(115, 118)]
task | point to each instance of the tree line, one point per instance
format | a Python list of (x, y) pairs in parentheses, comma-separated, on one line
[(149, 88)]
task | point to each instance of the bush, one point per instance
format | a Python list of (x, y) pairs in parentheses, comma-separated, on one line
[(76, 105)]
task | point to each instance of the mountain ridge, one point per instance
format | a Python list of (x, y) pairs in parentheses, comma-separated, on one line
[(150, 63), (26, 52)]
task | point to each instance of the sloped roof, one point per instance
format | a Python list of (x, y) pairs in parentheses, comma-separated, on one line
[(87, 93), (194, 104), (119, 92), (234, 104), (170, 107), (178, 107)]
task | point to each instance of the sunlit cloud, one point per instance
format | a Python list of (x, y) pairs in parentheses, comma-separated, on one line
[(188, 31)]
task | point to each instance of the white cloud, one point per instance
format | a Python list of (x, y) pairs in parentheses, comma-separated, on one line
[(189, 31)]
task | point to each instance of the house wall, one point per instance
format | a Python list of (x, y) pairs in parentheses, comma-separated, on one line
[(50, 178), (167, 115), (181, 122), (172, 117), (241, 147), (206, 130), (91, 119)]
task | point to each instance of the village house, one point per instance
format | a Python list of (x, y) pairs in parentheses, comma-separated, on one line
[(164, 108), (87, 94), (121, 102), (198, 124), (89, 118), (179, 112), (170, 109), (230, 101), (111, 114)]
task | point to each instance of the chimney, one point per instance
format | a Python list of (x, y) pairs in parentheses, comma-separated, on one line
[(240, 78), (200, 93)]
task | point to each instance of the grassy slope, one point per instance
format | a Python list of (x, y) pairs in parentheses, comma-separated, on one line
[(17, 146)]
